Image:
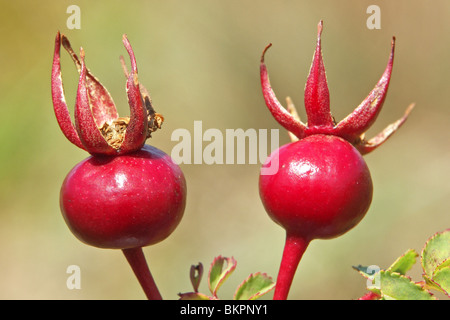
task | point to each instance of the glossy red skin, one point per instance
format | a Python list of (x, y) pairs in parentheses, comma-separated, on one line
[(126, 201), (322, 189)]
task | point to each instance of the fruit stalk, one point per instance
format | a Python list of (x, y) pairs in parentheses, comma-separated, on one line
[(294, 249), (136, 259)]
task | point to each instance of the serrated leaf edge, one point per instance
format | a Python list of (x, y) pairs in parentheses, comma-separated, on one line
[(437, 285), (256, 295), (444, 264), (225, 273), (426, 244), (416, 255), (398, 275)]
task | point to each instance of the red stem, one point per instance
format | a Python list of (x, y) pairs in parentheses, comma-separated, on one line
[(294, 249), (136, 259)]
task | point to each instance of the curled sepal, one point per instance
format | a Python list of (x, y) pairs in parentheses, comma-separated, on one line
[(281, 115), (255, 286), (101, 103), (317, 97), (58, 98), (218, 274), (136, 132), (364, 147), (87, 129), (98, 128), (155, 120), (362, 118)]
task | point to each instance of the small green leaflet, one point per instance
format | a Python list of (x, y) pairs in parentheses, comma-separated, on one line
[(254, 287)]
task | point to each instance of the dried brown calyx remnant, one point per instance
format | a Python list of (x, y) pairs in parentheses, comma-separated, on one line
[(114, 131), (154, 123), (155, 120)]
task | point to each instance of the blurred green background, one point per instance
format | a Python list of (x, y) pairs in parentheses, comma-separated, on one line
[(200, 61)]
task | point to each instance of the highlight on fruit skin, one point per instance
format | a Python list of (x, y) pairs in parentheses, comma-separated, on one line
[(317, 106), (98, 128)]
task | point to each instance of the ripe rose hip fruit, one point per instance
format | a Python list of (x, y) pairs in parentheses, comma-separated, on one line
[(126, 195), (133, 200), (323, 187)]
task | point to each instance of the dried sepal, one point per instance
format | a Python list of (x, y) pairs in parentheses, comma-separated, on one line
[(137, 128), (59, 101), (136, 133), (196, 274), (364, 147), (154, 119), (87, 129), (101, 102), (98, 128)]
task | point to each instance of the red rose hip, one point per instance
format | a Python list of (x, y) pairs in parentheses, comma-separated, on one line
[(126, 195), (322, 188), (134, 200)]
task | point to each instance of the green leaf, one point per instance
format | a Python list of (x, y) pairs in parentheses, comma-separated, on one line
[(444, 264), (254, 287), (193, 296), (435, 252), (394, 286), (404, 262), (442, 279), (217, 273), (430, 284)]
